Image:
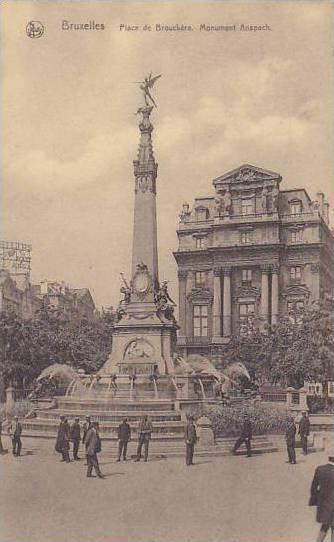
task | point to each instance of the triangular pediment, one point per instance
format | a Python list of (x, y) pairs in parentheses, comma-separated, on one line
[(247, 174)]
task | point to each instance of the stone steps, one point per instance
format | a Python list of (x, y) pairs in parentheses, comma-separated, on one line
[(86, 405), (109, 415)]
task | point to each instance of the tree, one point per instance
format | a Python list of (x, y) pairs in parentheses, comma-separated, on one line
[(28, 346), (291, 351)]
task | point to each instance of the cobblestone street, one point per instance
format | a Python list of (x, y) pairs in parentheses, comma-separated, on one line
[(230, 499)]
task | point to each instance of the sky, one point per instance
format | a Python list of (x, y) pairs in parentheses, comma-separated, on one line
[(70, 132)]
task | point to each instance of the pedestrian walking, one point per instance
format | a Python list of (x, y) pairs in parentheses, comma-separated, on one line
[(190, 437), (322, 496), (76, 437), (245, 436), (145, 429), (304, 431), (86, 426), (2, 450), (290, 437), (15, 432), (63, 439), (93, 447), (124, 435)]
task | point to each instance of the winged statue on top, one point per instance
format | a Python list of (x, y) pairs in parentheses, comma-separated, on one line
[(145, 86)]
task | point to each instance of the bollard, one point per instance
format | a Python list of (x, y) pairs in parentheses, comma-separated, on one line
[(205, 432)]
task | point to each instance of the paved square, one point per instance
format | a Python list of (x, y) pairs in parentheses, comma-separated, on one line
[(229, 499)]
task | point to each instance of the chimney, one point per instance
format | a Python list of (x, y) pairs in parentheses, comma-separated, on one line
[(320, 198), (326, 212)]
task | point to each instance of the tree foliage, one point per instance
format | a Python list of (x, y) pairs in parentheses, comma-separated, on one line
[(292, 351), (28, 346)]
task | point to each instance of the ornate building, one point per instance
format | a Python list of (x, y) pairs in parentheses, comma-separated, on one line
[(247, 255)]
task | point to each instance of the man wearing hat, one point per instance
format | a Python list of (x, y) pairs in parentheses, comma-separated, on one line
[(93, 447), (145, 429), (63, 439), (304, 431), (124, 435), (290, 437), (322, 496), (245, 436), (15, 432), (86, 427), (75, 438), (190, 436)]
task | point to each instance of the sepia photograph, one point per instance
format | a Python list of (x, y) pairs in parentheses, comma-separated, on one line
[(167, 271)]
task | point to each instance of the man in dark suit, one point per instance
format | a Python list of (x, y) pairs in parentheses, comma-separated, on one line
[(290, 437), (322, 496), (190, 437), (145, 429), (75, 438), (124, 435), (304, 431), (86, 426), (93, 447), (15, 432), (63, 439), (245, 436)]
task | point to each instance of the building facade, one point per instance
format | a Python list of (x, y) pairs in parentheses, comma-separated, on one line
[(77, 303), (247, 255), (26, 299), (17, 300)]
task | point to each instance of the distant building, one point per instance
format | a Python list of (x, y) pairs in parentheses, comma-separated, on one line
[(17, 300), (27, 299), (75, 302), (248, 254)]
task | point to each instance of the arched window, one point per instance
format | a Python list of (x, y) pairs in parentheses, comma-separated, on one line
[(295, 206), (202, 214)]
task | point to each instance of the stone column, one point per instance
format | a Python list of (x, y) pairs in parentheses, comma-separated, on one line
[(227, 309), (264, 294), (189, 316), (274, 294), (182, 275), (217, 302)]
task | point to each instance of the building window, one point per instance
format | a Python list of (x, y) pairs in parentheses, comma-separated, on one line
[(246, 237), (199, 279), (295, 207), (246, 318), (295, 311), (200, 321), (295, 273), (202, 214), (247, 207), (296, 236), (246, 277), (200, 243)]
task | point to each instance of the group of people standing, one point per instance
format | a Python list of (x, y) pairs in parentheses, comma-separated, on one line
[(290, 437)]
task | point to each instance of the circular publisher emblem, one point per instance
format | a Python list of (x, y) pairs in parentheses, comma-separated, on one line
[(34, 29)]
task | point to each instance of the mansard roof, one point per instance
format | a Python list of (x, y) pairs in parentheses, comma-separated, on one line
[(248, 174)]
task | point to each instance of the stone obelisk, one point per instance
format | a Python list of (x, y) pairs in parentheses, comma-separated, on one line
[(144, 246), (144, 335)]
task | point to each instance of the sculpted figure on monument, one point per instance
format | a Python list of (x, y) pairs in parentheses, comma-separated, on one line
[(145, 86), (227, 202), (184, 214), (264, 199), (164, 303), (274, 195), (219, 205), (126, 291)]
